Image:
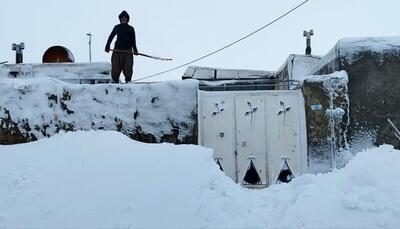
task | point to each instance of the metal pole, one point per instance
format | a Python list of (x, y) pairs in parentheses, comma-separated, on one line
[(332, 125), (90, 46)]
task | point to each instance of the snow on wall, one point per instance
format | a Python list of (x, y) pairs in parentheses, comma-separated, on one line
[(349, 50), (331, 82), (349, 47), (70, 72), (41, 107)]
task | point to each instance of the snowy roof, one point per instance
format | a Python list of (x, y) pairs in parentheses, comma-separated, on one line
[(350, 49), (69, 72), (349, 46), (299, 65), (205, 73)]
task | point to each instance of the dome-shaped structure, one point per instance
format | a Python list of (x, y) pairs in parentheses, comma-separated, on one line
[(58, 54)]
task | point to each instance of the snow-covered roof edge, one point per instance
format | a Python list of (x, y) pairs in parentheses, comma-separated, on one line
[(340, 75), (349, 49), (208, 73), (307, 63)]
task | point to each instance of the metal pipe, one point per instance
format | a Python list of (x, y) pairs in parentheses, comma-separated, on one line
[(18, 52), (332, 127), (308, 40), (90, 46)]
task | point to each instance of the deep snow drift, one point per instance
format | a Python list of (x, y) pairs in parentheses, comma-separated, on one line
[(106, 180)]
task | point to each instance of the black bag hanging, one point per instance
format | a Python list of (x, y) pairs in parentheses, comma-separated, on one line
[(285, 175), (251, 176)]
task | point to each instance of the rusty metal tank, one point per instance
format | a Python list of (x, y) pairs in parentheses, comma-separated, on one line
[(58, 54)]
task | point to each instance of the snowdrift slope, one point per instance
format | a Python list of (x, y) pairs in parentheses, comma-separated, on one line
[(106, 180)]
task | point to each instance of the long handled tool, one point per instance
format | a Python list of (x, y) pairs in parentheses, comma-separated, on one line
[(142, 54), (4, 62)]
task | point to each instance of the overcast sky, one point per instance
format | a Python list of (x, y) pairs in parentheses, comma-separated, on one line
[(186, 29)]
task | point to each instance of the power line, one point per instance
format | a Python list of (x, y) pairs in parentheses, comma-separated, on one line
[(226, 46)]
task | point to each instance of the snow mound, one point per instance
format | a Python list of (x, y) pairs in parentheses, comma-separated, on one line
[(106, 180)]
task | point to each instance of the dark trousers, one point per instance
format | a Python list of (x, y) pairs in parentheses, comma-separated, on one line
[(121, 62)]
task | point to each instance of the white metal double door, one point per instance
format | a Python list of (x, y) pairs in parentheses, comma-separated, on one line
[(253, 131)]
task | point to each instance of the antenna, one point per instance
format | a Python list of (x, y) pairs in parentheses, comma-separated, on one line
[(90, 46)]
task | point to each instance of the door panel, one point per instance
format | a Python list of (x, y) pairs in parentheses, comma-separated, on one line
[(283, 123), (250, 133), (250, 137), (217, 131)]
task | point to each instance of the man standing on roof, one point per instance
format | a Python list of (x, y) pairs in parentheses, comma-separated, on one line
[(122, 58)]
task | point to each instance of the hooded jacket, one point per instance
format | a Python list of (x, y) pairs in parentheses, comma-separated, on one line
[(126, 38)]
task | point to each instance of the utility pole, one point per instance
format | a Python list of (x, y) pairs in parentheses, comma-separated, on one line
[(18, 52), (90, 46), (308, 45)]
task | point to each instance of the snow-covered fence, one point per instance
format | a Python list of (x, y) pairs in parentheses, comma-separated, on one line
[(41, 107)]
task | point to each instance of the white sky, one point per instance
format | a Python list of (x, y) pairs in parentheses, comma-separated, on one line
[(187, 29)]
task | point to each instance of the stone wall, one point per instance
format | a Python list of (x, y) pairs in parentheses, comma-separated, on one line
[(374, 82), (31, 109), (317, 95), (374, 96)]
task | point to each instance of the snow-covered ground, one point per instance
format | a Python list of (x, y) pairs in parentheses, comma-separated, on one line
[(106, 180)]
